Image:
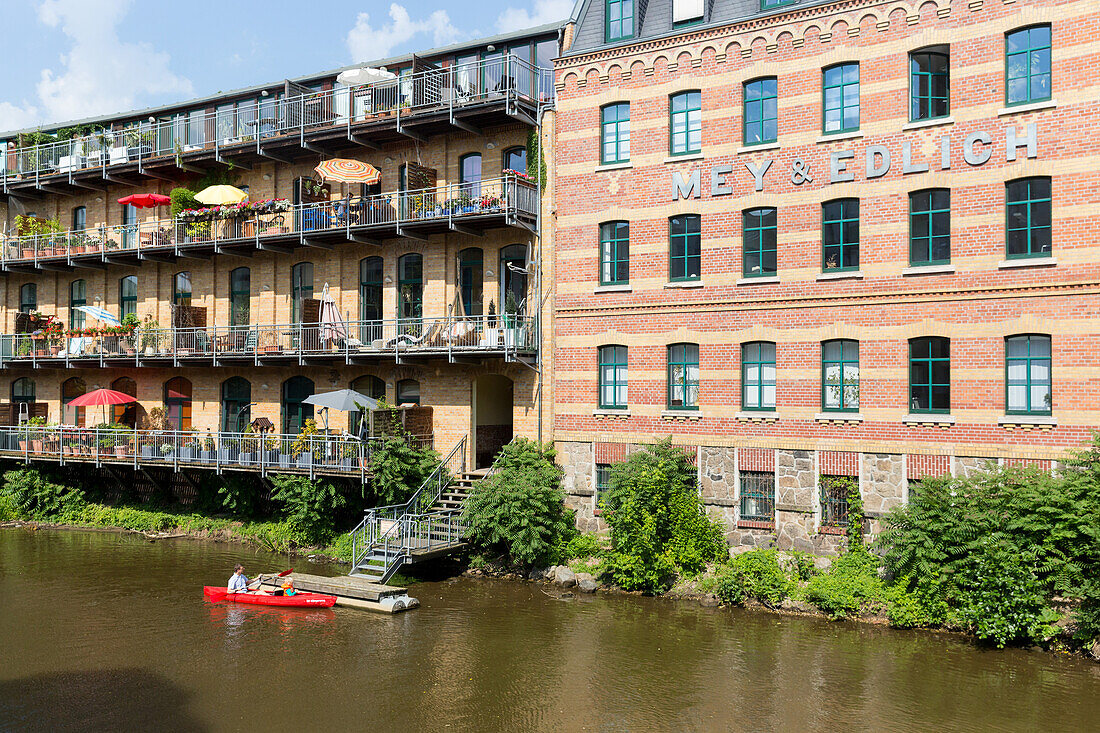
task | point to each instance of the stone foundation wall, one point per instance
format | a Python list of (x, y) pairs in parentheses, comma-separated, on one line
[(883, 486)]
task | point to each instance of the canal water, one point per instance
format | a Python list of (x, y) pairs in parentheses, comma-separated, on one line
[(108, 632)]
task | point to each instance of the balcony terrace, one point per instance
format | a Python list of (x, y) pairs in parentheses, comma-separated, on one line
[(466, 97), (278, 226)]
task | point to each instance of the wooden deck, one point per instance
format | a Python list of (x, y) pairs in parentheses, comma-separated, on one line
[(349, 590)]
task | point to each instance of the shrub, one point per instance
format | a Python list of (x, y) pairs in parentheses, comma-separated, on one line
[(519, 511), (8, 508), (239, 496), (658, 526), (309, 506), (1001, 599), (730, 587), (1087, 616), (35, 496), (849, 586), (763, 577), (183, 198), (398, 468), (583, 546)]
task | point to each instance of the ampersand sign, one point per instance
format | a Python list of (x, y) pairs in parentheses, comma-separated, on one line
[(800, 172)]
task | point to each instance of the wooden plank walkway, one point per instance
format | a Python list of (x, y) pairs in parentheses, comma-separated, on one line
[(349, 591)]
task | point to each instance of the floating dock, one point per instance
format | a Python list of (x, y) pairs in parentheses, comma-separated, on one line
[(352, 591)]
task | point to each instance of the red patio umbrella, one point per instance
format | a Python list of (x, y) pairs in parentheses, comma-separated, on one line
[(145, 200), (101, 397)]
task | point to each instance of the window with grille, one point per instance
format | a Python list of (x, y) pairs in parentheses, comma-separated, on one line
[(834, 500), (1027, 65), (757, 496), (1027, 375), (603, 481)]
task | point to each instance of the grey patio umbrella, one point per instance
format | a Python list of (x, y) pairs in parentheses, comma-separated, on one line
[(346, 400)]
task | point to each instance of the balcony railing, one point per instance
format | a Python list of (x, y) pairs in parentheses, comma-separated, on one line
[(339, 454), (250, 126), (505, 335), (510, 197)]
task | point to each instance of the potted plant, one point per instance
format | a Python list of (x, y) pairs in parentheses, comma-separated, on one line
[(229, 450), (150, 338), (167, 451), (23, 348), (189, 450), (250, 447), (307, 446), (492, 333), (514, 333), (207, 454), (34, 427), (271, 450)]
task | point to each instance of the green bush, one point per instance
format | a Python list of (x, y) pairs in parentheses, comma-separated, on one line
[(309, 506), (658, 526), (239, 496), (583, 546), (398, 468), (36, 497), (8, 509), (849, 586), (182, 198), (907, 609), (519, 511), (730, 587), (764, 578), (1001, 599), (1087, 616)]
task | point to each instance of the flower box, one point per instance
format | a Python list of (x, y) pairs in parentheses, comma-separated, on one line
[(122, 451)]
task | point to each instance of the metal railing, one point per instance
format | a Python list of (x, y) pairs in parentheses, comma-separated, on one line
[(272, 453), (389, 534), (252, 123), (450, 335), (510, 196)]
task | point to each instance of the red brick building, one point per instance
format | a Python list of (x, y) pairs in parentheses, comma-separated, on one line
[(815, 240)]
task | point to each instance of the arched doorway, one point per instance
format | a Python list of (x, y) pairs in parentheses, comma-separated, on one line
[(492, 417), (23, 393), (296, 412), (236, 404), (71, 389), (125, 414), (177, 403)]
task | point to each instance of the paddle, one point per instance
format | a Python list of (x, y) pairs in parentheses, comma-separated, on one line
[(259, 578)]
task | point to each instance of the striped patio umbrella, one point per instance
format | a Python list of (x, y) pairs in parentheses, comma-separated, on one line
[(345, 170), (100, 314)]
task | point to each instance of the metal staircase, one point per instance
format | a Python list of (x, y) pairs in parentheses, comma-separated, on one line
[(428, 525)]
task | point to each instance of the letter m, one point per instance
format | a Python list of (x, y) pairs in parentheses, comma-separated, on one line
[(682, 189)]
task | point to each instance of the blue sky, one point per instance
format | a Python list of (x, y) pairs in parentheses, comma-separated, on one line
[(68, 59)]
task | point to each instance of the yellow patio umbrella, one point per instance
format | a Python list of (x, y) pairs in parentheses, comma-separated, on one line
[(346, 170), (221, 195)]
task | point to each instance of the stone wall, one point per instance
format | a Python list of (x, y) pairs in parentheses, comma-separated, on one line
[(576, 460), (795, 499), (883, 485)]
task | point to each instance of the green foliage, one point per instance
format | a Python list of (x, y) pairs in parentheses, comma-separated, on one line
[(923, 606), (1087, 616), (309, 506), (8, 508), (658, 526), (36, 497), (239, 496), (216, 177), (583, 546), (730, 587), (536, 163), (183, 198), (398, 467), (849, 586), (856, 520), (1001, 599), (519, 511)]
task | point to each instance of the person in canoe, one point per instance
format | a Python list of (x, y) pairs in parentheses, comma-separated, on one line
[(239, 582)]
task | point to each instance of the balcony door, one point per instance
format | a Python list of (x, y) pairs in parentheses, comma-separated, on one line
[(177, 403), (295, 411)]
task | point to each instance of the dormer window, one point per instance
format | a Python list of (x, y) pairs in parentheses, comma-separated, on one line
[(686, 12), (619, 20)]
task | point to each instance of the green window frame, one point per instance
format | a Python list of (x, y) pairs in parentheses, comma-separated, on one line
[(758, 376), (410, 292), (301, 289), (236, 404), (930, 375), (929, 85), (1028, 218), (840, 235), (240, 294), (760, 113), (181, 288), (1027, 375), (615, 133), (618, 20), (756, 498), (78, 296), (603, 481), (28, 298), (685, 259), (840, 98), (683, 377), (930, 227), (127, 296), (1028, 65), (612, 377), (759, 237), (370, 298), (685, 123), (614, 253), (471, 271), (840, 375), (772, 4)]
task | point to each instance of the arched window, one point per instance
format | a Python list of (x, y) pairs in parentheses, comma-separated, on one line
[(515, 159), (368, 385), (125, 414), (410, 290), (127, 296), (78, 296), (71, 389), (28, 298), (469, 174), (177, 403), (22, 392), (80, 218), (295, 411), (301, 289), (240, 289), (470, 272), (370, 299), (408, 392), (513, 278), (181, 292), (236, 404)]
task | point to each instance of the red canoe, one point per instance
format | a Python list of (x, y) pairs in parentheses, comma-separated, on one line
[(298, 600)]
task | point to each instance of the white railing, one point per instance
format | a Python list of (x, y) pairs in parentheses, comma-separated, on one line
[(507, 333), (509, 196), (253, 123)]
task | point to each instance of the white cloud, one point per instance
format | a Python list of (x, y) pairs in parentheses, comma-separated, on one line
[(545, 11), (100, 73), (366, 42)]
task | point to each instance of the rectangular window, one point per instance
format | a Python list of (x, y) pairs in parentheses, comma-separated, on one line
[(1027, 65), (127, 296), (685, 259), (603, 481), (840, 235), (834, 500), (620, 20), (1027, 375), (929, 375), (685, 124), (613, 377), (615, 133), (761, 111), (759, 242), (1028, 204), (769, 4), (841, 98), (840, 375), (614, 253), (758, 376), (686, 12), (757, 496), (683, 377), (930, 227), (929, 77)]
